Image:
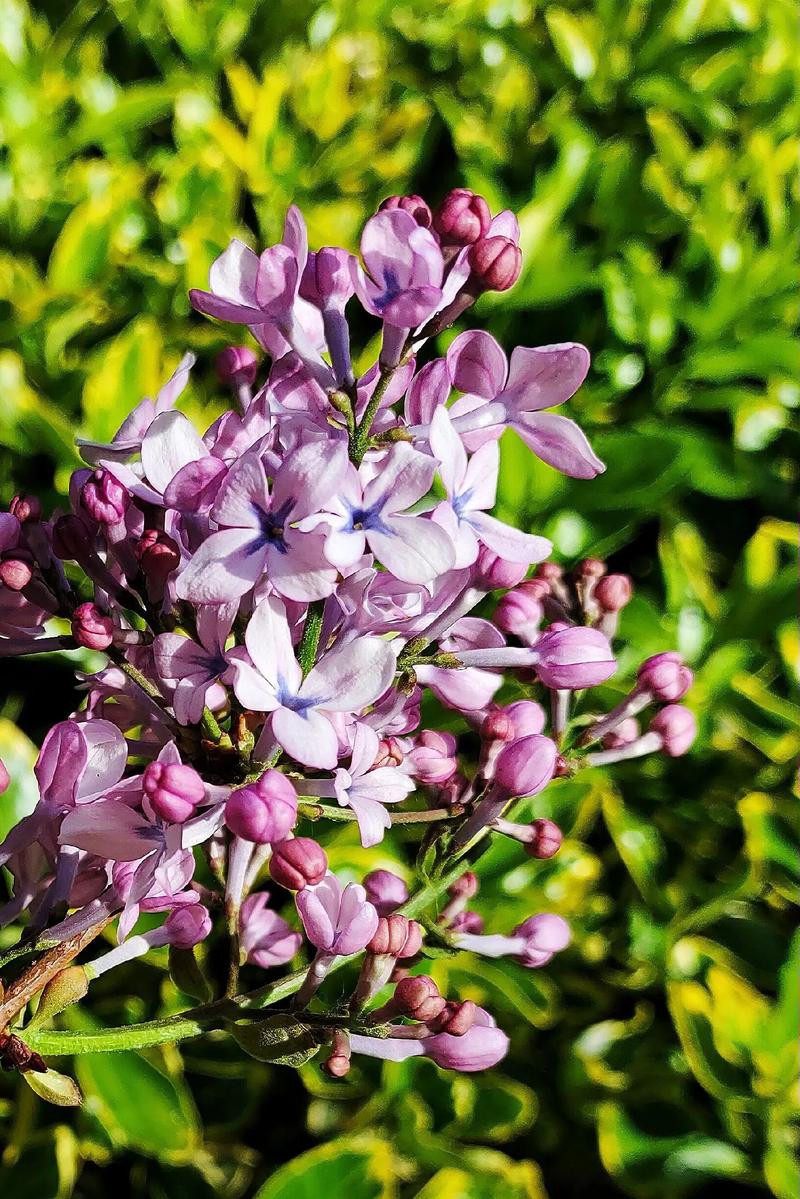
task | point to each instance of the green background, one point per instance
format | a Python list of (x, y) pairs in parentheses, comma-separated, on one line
[(650, 150)]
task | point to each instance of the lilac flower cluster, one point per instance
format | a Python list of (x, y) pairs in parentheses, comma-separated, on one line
[(274, 596)]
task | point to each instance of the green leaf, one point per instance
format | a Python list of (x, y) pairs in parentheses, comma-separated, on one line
[(361, 1167), (19, 755)]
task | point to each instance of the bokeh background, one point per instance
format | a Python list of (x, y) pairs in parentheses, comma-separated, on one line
[(650, 150)]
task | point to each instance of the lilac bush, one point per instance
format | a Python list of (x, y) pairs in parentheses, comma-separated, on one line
[(272, 600)]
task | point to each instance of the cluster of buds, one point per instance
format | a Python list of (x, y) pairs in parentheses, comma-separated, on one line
[(275, 597)]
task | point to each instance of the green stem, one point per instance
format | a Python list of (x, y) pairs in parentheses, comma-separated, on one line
[(360, 438), (210, 726), (312, 810), (310, 640), (106, 1040)]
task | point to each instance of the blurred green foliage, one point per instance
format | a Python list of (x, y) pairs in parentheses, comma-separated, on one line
[(650, 149)]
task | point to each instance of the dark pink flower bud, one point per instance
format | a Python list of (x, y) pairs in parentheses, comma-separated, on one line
[(188, 925), (236, 365), (390, 753), (26, 508), (397, 936), (574, 657), (105, 498), (665, 677), (496, 263), (546, 838), (462, 218), (418, 998), (385, 891), (173, 789), (526, 766), (465, 887), (526, 716), (454, 1018), (72, 540), (433, 758), (415, 205), (466, 922), (624, 734), (15, 573), (519, 612), (495, 573), (613, 592), (158, 555), (677, 728), (264, 811), (92, 628), (497, 726), (297, 863), (591, 568), (551, 572), (5, 778)]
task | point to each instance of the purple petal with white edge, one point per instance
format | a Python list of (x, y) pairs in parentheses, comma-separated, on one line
[(505, 224), (244, 495), (302, 572), (295, 235), (307, 736), (429, 389), (351, 676), (414, 549), (61, 763), (269, 643), (250, 687), (232, 276), (107, 755), (477, 364), (170, 443), (309, 477), (365, 749), (509, 542), (277, 280), (405, 476), (560, 443), (544, 376), (480, 480), (195, 486), (110, 830), (468, 690), (175, 385), (413, 307), (388, 1049), (223, 568), (318, 908), (372, 818), (201, 827)]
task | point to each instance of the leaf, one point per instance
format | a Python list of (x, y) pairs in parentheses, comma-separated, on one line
[(575, 39), (18, 754), (691, 1008), (54, 1088), (281, 1040), (129, 368), (360, 1167)]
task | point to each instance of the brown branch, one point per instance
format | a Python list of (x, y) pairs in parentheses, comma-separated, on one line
[(51, 963)]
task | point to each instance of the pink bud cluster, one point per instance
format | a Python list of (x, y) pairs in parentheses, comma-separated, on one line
[(275, 597)]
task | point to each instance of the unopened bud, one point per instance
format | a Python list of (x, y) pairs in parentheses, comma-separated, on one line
[(105, 498), (265, 811), (236, 365), (455, 1018), (494, 573), (390, 753), (385, 891), (677, 728), (625, 733), (496, 263), (497, 726), (297, 863), (665, 677), (418, 998), (462, 218), (415, 205), (613, 592), (15, 573), (591, 568), (187, 926), (545, 840), (92, 628), (396, 935), (465, 887), (158, 555), (26, 508), (173, 789)]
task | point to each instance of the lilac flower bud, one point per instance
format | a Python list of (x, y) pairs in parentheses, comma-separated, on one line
[(236, 365), (545, 935), (72, 540), (415, 205), (390, 753), (265, 811), (173, 789), (462, 218), (397, 936), (520, 612), (158, 555), (297, 863), (26, 508), (15, 573), (665, 677), (494, 573), (624, 734), (497, 726), (187, 925), (338, 1064), (385, 891), (91, 628), (496, 263), (526, 766), (5, 778), (466, 922), (418, 998), (465, 887), (545, 840), (573, 658), (551, 572), (482, 1047), (433, 757), (591, 568), (677, 728), (526, 716), (455, 1018), (613, 592), (327, 279), (105, 498)]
